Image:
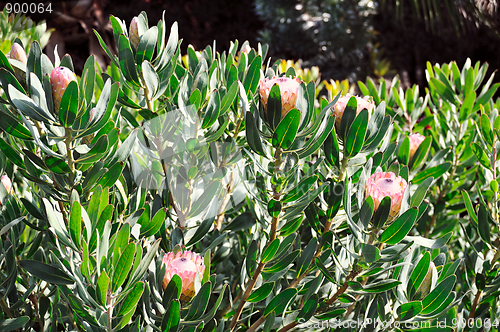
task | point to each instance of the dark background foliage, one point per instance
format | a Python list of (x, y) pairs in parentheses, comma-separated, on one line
[(346, 39)]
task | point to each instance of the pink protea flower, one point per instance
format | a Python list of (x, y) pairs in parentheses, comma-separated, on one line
[(6, 183), (289, 88), (133, 33), (340, 105), (18, 53), (415, 141), (382, 184), (59, 80), (186, 265)]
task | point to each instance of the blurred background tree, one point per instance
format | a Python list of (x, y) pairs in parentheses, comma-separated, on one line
[(345, 38)]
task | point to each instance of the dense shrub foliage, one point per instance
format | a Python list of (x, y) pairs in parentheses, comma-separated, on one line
[(217, 192)]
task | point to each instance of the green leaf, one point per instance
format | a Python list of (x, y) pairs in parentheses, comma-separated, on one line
[(331, 314), (300, 189), (283, 263), (172, 317), (438, 295), (356, 134), (381, 286), (77, 306), (331, 149), (68, 108), (151, 79), (87, 81), (130, 302), (306, 257), (102, 288), (228, 98), (109, 178), (418, 274), (469, 206), (443, 90), (14, 127), (308, 310), (419, 194), (370, 253), (481, 155), (212, 110), (200, 302), (27, 106), (46, 272), (252, 135), (429, 243), (483, 225), (274, 208), (252, 77), (13, 324), (274, 107), (466, 108), (421, 154), (123, 266), (75, 224), (261, 293), (270, 251), (435, 172), (204, 200), (57, 165), (485, 128), (11, 154), (348, 117), (243, 221), (404, 152), (146, 46), (382, 214), (126, 61), (201, 231), (152, 227), (400, 227), (409, 310), (172, 291), (366, 211), (285, 133), (279, 303)]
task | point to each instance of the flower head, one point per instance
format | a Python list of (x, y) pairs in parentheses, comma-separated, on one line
[(133, 33), (59, 80), (17, 53), (415, 141), (340, 105), (382, 184), (289, 88), (186, 265)]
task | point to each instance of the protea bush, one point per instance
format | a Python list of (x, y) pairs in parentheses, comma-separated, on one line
[(218, 192)]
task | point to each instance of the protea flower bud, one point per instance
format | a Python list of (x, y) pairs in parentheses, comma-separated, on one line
[(425, 287), (340, 105), (289, 88), (59, 79), (415, 141), (246, 49), (133, 33), (382, 184), (186, 265), (17, 53), (6, 183)]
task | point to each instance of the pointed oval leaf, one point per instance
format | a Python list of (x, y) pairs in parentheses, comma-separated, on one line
[(400, 227), (285, 133)]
